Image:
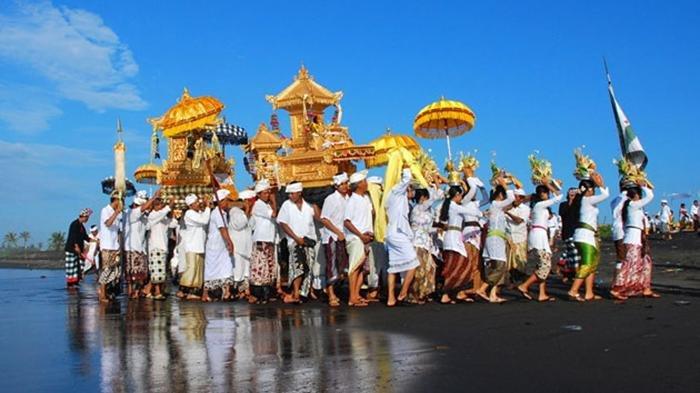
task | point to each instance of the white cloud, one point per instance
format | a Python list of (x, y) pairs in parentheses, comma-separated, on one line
[(19, 157), (75, 51)]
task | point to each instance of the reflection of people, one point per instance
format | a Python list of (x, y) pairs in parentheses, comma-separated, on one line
[(75, 244)]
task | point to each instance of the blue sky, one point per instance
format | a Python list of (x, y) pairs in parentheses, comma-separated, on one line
[(532, 72)]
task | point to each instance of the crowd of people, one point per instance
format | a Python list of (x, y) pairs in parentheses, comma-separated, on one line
[(448, 242)]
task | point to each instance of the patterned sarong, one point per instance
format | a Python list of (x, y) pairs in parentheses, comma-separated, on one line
[(336, 260), (156, 265), (423, 284), (540, 263), (110, 267), (263, 269), (136, 266), (634, 276), (72, 268)]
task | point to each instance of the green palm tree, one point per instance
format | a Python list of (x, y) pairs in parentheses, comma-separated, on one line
[(57, 241), (10, 240), (25, 236)]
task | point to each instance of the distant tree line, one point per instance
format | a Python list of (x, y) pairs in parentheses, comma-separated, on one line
[(20, 241)]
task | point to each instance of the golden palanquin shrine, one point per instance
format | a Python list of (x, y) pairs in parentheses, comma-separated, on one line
[(316, 150)]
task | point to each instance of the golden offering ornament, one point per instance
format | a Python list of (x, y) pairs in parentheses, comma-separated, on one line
[(630, 174)]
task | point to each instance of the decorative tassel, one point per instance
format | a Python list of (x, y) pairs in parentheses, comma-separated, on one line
[(215, 144)]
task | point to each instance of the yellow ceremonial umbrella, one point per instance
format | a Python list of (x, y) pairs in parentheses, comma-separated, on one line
[(444, 119), (387, 143), (147, 173)]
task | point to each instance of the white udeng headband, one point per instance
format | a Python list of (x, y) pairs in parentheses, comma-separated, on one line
[(340, 179), (294, 187)]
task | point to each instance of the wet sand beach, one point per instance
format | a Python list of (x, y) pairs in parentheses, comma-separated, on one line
[(58, 340)]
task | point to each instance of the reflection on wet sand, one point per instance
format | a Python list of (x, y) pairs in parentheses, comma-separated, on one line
[(174, 346)]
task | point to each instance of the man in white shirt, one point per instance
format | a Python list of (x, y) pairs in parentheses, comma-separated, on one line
[(110, 269), (241, 232), (218, 258), (263, 264), (135, 245), (160, 222), (517, 221), (196, 219), (665, 220), (695, 214), (333, 236), (296, 219), (359, 233)]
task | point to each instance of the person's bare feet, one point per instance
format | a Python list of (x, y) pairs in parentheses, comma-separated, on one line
[(524, 292), (618, 296), (482, 294)]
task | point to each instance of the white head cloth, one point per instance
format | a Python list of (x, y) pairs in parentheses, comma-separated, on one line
[(262, 185), (222, 194), (246, 194), (294, 187), (340, 179), (358, 176), (374, 180), (190, 199)]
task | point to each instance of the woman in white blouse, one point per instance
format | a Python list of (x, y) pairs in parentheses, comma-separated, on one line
[(634, 277), (586, 235), (457, 267), (539, 260), (495, 258)]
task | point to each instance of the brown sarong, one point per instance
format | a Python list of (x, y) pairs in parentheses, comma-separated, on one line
[(456, 271)]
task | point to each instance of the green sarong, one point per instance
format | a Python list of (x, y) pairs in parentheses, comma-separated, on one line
[(590, 257)]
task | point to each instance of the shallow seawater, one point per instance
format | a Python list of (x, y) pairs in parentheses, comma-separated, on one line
[(57, 340)]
